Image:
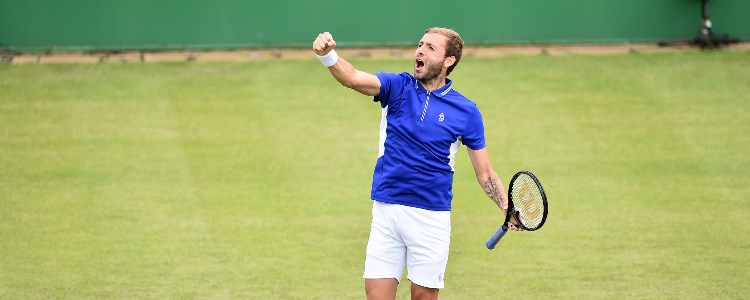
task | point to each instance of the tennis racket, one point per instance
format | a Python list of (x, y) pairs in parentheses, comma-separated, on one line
[(527, 204)]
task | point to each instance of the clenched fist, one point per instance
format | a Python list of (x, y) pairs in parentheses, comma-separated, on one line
[(323, 44)]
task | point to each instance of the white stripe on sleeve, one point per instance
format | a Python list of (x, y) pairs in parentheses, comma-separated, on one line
[(452, 153), (383, 126)]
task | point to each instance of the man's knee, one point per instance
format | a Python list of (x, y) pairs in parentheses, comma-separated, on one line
[(419, 292), (377, 289)]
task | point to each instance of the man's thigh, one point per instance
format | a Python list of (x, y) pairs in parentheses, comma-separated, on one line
[(427, 241), (386, 251)]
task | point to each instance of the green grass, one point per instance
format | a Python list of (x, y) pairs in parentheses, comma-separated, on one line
[(251, 180)]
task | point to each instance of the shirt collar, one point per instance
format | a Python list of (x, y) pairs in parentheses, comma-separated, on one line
[(442, 91)]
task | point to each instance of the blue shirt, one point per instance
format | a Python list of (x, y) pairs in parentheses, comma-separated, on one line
[(420, 132)]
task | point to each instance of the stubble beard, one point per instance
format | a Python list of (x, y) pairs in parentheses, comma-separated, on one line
[(432, 73)]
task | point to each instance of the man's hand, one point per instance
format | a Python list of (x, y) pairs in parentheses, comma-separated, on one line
[(342, 70), (323, 44), (514, 223), (504, 207)]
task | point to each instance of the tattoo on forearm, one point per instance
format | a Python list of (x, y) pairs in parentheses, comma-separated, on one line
[(493, 190)]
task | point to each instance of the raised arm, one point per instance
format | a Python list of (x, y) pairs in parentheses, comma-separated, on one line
[(342, 70)]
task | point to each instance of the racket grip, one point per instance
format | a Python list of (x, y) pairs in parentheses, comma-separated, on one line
[(496, 237)]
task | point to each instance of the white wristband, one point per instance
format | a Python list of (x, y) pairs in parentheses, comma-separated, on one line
[(329, 59)]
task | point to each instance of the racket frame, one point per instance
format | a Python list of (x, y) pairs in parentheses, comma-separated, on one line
[(516, 213), (495, 239)]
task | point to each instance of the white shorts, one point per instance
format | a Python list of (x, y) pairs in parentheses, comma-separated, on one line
[(402, 235)]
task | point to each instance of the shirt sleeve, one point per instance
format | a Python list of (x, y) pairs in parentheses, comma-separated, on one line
[(388, 84), (473, 136)]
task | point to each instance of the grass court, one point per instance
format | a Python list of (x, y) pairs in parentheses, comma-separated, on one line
[(251, 180)]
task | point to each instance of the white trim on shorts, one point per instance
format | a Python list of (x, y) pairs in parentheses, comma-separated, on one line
[(407, 236)]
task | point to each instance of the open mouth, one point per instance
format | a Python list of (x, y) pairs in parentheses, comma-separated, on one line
[(418, 64)]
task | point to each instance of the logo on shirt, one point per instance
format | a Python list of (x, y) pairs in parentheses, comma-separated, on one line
[(441, 117)]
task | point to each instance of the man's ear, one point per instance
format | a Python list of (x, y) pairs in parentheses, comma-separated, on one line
[(449, 61)]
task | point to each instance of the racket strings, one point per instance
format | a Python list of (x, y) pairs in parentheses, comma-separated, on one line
[(528, 200)]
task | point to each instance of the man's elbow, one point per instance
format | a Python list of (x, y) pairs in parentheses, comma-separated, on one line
[(482, 176), (348, 83), (362, 89), (485, 174)]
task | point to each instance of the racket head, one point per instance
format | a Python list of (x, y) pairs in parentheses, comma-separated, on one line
[(526, 196)]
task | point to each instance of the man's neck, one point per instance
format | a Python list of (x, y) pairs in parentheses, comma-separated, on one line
[(435, 83)]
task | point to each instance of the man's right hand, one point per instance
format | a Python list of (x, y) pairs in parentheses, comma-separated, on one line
[(342, 70), (323, 44)]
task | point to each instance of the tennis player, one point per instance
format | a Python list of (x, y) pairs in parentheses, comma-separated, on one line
[(424, 121)]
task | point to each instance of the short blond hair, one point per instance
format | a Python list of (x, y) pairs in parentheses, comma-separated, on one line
[(454, 45)]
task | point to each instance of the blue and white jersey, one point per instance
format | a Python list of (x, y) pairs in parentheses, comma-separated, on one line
[(420, 132)]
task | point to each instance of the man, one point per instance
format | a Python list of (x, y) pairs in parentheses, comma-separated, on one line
[(424, 121)]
